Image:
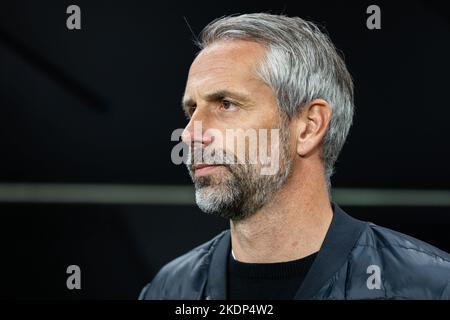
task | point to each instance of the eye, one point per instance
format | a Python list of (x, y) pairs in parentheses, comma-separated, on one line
[(190, 111), (227, 105)]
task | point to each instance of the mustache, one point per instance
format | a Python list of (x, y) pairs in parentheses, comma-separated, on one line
[(210, 156)]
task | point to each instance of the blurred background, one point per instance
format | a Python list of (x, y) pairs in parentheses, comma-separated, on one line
[(86, 116)]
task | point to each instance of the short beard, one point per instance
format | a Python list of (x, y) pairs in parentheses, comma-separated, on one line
[(242, 190)]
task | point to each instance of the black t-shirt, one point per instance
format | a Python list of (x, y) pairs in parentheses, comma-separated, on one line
[(266, 281)]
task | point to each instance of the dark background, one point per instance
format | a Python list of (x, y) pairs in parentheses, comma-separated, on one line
[(98, 105)]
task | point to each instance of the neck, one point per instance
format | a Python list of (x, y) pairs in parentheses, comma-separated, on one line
[(292, 226)]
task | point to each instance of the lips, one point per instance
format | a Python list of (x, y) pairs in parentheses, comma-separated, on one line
[(203, 168), (202, 165)]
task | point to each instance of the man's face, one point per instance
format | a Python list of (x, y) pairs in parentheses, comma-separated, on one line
[(225, 101)]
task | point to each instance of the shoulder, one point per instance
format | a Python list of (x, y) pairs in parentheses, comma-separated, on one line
[(183, 277), (409, 268)]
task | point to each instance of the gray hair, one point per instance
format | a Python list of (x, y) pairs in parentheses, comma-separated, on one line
[(301, 64)]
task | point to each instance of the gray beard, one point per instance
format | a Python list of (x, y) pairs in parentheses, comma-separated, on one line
[(240, 190)]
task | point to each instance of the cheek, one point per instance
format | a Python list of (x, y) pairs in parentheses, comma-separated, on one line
[(248, 133), (253, 145)]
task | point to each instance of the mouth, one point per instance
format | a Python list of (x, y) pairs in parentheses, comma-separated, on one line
[(203, 169)]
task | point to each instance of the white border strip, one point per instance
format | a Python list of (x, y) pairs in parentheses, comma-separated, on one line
[(184, 195)]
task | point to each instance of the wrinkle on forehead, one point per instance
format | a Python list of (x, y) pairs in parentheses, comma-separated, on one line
[(238, 50), (226, 62)]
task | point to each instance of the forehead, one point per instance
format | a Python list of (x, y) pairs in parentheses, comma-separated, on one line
[(225, 63)]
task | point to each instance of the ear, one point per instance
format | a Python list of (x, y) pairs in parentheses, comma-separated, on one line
[(312, 124)]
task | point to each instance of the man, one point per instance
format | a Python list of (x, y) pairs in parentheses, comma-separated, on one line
[(287, 240)]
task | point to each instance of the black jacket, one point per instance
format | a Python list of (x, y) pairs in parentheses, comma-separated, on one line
[(358, 260)]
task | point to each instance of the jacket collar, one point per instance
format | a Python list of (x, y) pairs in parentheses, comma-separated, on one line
[(216, 285), (339, 241)]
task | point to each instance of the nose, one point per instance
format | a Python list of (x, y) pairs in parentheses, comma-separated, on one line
[(195, 133)]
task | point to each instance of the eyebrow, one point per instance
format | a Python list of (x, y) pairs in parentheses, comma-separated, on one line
[(215, 96)]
